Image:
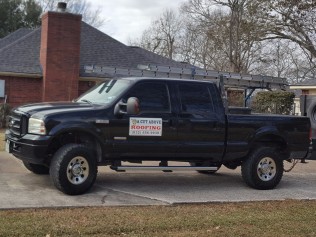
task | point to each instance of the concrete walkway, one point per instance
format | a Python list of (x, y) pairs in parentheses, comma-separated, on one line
[(19, 188)]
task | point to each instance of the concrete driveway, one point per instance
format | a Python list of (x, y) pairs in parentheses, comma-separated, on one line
[(21, 189)]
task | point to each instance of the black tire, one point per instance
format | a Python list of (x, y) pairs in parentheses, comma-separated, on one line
[(204, 164), (73, 169), (35, 168), (263, 169)]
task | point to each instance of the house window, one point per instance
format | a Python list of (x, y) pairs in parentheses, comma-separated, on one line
[(2, 88)]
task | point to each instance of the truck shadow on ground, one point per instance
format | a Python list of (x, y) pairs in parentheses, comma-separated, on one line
[(194, 187), (169, 180)]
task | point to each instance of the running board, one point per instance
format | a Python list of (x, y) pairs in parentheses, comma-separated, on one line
[(163, 168)]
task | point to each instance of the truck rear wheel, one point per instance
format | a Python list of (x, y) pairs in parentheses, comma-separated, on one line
[(73, 169), (263, 169), (35, 168)]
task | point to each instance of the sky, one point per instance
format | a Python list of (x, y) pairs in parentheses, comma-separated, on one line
[(128, 18)]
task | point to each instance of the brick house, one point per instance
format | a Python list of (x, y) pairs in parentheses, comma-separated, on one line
[(307, 88), (47, 64)]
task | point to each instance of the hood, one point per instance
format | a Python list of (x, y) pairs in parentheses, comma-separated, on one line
[(53, 107)]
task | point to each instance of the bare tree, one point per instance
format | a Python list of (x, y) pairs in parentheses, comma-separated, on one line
[(231, 29), (89, 15), (162, 36), (290, 19), (271, 37), (284, 58), (205, 35), (205, 46), (236, 16)]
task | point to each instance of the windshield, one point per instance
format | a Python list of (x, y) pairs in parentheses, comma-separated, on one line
[(105, 92)]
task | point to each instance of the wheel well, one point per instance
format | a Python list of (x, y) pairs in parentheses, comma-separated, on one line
[(269, 140), (76, 137), (273, 141)]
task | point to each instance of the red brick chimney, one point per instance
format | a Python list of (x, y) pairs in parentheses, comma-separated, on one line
[(60, 54)]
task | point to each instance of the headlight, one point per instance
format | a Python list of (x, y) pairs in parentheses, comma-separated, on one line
[(36, 126)]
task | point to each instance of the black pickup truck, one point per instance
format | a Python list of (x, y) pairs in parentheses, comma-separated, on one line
[(141, 119)]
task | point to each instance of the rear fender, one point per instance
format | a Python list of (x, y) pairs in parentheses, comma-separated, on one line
[(269, 136)]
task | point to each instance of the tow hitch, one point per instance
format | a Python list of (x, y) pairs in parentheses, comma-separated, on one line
[(293, 163)]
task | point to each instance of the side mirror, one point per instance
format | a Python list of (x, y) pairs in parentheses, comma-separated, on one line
[(132, 106)]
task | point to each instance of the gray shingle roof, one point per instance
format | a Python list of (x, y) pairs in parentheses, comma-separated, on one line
[(22, 54), (14, 36)]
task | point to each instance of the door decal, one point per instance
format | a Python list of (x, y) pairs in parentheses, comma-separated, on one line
[(145, 127)]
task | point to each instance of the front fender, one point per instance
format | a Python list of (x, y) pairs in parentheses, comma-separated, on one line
[(76, 126)]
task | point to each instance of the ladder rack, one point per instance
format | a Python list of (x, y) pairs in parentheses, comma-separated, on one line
[(237, 80)]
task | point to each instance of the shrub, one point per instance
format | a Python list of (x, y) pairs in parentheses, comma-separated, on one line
[(4, 112), (273, 102), (235, 98)]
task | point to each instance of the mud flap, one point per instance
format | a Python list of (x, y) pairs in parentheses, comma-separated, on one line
[(312, 151)]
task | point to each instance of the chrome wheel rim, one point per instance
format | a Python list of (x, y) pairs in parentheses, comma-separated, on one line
[(266, 169), (77, 170)]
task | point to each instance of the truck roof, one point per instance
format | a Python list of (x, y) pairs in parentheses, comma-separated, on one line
[(164, 79)]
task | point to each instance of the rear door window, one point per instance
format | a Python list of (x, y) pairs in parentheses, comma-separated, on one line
[(196, 99)]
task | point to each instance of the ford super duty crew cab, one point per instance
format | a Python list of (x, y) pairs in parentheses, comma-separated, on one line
[(141, 119)]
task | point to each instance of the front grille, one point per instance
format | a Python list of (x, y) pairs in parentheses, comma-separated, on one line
[(17, 124)]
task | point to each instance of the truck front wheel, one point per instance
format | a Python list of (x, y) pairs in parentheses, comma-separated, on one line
[(73, 169), (263, 169)]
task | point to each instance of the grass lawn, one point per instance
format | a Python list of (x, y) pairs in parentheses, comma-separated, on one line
[(277, 218)]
